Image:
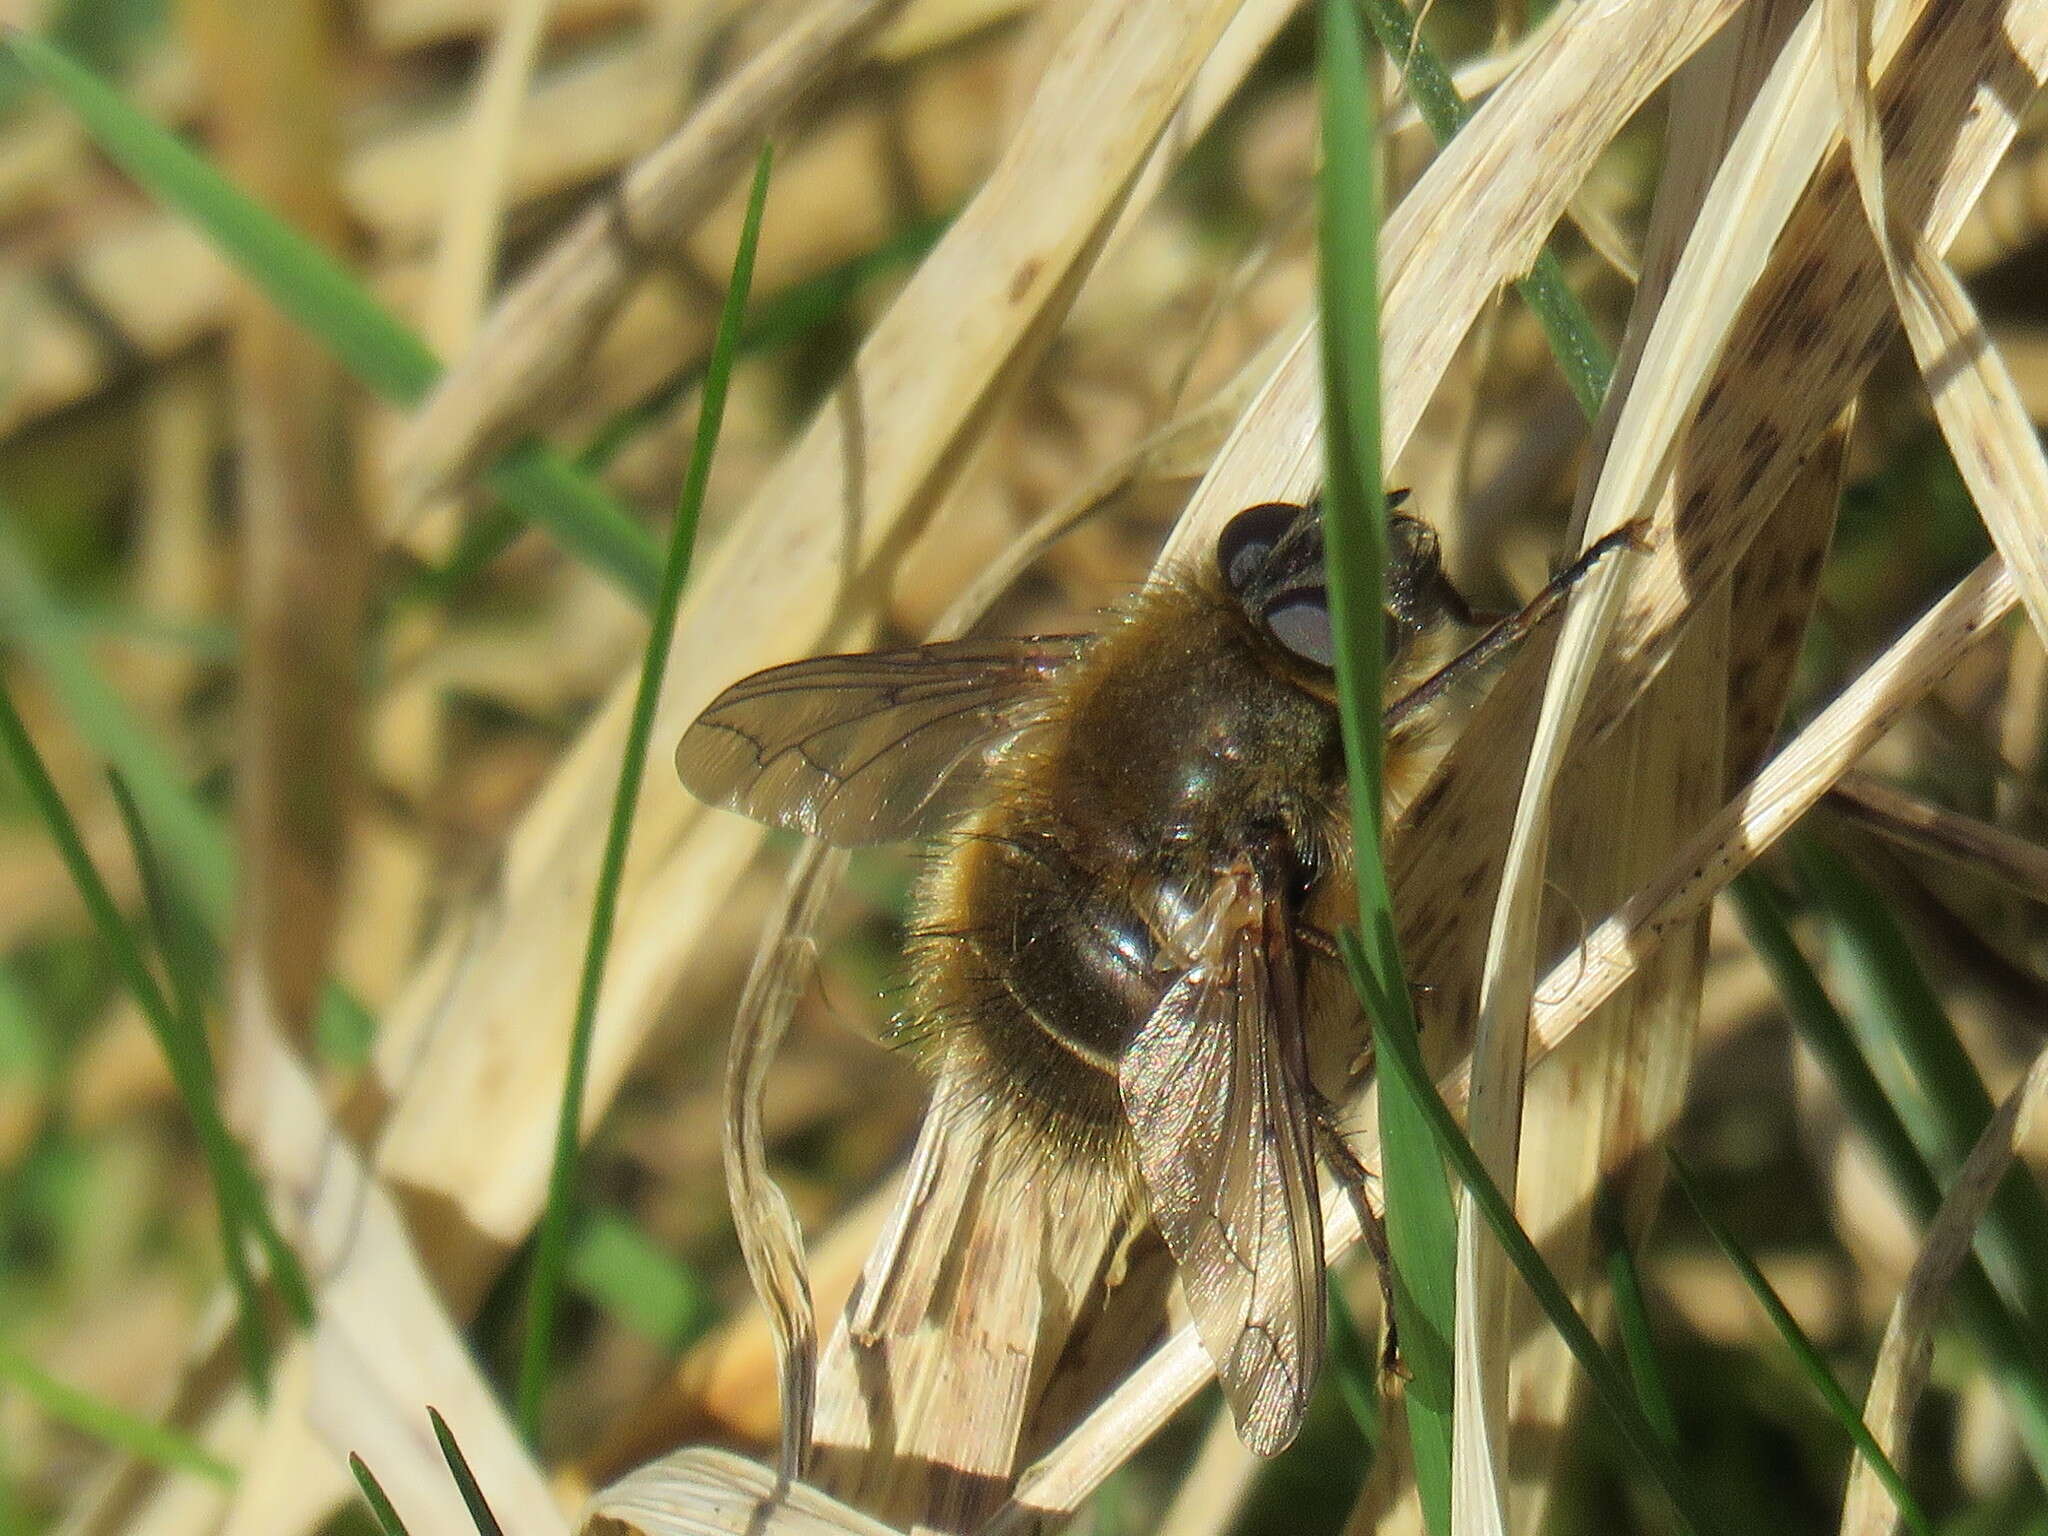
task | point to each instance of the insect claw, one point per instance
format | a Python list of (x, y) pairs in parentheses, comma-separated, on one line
[(1635, 533)]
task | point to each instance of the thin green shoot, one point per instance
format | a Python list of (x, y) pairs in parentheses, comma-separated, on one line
[(113, 1426), (1400, 1056), (1632, 1321), (188, 1008), (2011, 1351), (1808, 1357), (1421, 1220), (181, 937), (235, 1188), (779, 321), (198, 851), (552, 1246), (1911, 1041), (197, 854), (1581, 354), (479, 1508), (374, 1496)]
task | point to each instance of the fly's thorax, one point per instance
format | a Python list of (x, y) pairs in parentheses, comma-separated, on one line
[(1185, 738)]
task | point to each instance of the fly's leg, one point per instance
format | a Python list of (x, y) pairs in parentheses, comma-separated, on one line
[(1508, 632), (1357, 1180)]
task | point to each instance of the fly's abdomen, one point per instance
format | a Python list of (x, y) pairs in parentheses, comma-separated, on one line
[(1035, 971)]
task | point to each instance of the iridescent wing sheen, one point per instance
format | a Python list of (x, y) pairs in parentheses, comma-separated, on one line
[(1213, 1087), (860, 749)]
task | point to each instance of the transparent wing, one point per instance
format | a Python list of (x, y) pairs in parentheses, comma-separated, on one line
[(856, 749), (1212, 1088)]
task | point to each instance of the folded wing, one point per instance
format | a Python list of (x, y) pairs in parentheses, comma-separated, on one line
[(1213, 1088)]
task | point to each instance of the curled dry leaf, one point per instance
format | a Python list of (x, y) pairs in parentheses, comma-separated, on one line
[(702, 1492), (1980, 409), (769, 1237), (1772, 802)]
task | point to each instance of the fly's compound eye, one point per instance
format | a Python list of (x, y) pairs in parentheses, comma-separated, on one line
[(1300, 621), (1248, 538)]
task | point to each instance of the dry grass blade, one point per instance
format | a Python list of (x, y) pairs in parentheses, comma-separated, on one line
[(466, 253), (1475, 220), (701, 1492), (769, 1236), (995, 1262), (1813, 322), (384, 1347), (1979, 846), (466, 248), (545, 326), (1768, 806), (1140, 1404), (1627, 802), (1213, 1491), (1931, 62), (1976, 402), (1908, 1348)]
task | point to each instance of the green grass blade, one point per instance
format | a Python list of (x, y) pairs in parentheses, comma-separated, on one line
[(580, 515), (317, 292), (1421, 1220), (198, 856), (300, 277), (1808, 1357), (188, 1008), (188, 963), (107, 34), (617, 1265), (28, 1054), (2012, 1353), (240, 1198), (780, 321), (181, 938), (1580, 353), (551, 1249), (1353, 1368), (374, 1496), (1632, 1323), (1401, 1057), (198, 852), (116, 1427), (480, 1514), (1929, 1077)]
